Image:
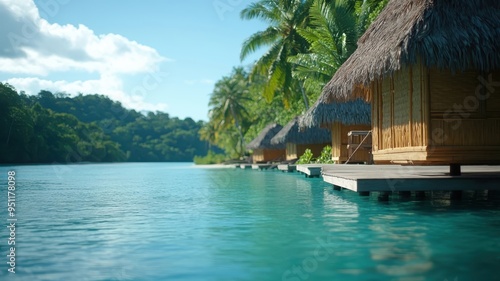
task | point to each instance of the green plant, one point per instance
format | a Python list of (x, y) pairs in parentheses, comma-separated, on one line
[(210, 158), (306, 158), (326, 156)]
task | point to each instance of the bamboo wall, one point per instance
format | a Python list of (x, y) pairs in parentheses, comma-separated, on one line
[(340, 154), (266, 155), (433, 116), (294, 151), (464, 117), (399, 110)]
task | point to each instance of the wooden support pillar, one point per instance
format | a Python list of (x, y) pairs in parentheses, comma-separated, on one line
[(405, 194), (383, 196), (420, 194), (456, 195), (364, 193), (455, 170), (493, 194)]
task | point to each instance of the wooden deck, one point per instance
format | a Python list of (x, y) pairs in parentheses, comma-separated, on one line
[(287, 167), (261, 166), (310, 170), (245, 166), (386, 178)]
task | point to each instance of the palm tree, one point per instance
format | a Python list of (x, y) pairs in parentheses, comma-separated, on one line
[(227, 103), (284, 18), (333, 31), (208, 132)]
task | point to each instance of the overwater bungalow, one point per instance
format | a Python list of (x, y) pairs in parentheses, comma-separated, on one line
[(341, 118), (263, 150), (297, 141), (431, 71)]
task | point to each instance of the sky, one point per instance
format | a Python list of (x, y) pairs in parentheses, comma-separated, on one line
[(155, 55)]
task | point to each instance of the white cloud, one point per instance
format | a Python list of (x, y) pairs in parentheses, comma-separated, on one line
[(110, 86), (36, 48)]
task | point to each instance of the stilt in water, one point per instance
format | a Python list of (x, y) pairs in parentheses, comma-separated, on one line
[(364, 193), (456, 195), (420, 194), (455, 170), (405, 194), (493, 194), (383, 196), (336, 187)]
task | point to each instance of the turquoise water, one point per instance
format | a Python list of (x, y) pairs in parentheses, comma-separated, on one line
[(179, 222)]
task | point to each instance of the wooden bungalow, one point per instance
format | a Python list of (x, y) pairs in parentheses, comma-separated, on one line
[(263, 150), (297, 141), (341, 118), (431, 70)]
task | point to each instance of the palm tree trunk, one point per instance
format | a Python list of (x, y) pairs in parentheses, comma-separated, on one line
[(239, 131), (304, 96)]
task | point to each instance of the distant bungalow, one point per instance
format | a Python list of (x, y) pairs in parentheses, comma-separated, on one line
[(263, 150), (430, 70), (341, 118), (297, 141)]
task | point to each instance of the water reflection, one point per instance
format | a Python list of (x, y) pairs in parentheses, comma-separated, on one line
[(401, 248)]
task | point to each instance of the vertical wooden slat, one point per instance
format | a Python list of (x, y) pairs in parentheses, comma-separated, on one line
[(336, 139), (417, 106), (424, 93), (410, 121), (292, 151), (374, 106), (386, 112), (381, 114), (393, 143)]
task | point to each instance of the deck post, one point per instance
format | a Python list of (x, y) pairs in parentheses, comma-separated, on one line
[(455, 170), (405, 194), (493, 194), (456, 195), (383, 196), (420, 194), (364, 193)]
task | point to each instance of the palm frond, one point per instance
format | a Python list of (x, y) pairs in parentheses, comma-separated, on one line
[(263, 10), (258, 40), (276, 77)]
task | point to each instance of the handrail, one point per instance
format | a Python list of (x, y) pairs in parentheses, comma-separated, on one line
[(359, 145)]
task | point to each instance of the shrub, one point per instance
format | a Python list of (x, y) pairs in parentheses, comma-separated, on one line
[(210, 158), (326, 156), (306, 158)]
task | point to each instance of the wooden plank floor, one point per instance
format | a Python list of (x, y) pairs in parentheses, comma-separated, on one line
[(287, 167), (366, 178), (310, 170), (261, 166)]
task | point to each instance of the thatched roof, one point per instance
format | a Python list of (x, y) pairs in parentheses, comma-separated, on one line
[(455, 35), (353, 112), (263, 140), (291, 134)]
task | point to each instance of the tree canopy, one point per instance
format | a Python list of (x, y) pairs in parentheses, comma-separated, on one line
[(49, 128), (306, 42)]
